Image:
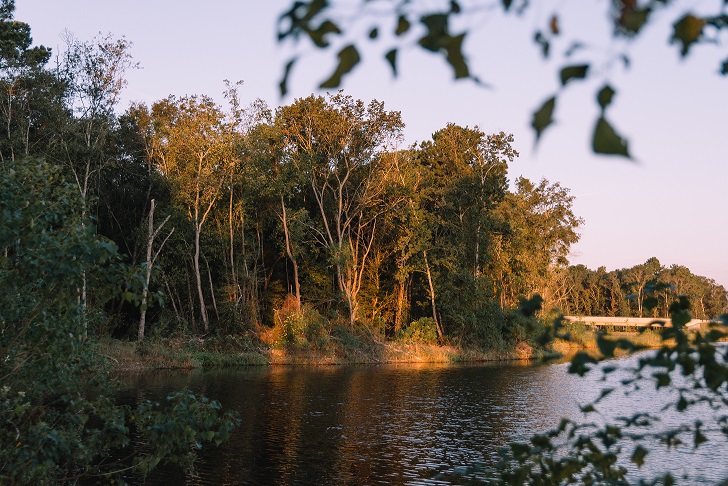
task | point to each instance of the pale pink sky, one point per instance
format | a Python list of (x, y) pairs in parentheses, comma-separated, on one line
[(671, 203)]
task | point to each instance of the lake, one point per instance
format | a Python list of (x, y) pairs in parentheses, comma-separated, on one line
[(397, 424)]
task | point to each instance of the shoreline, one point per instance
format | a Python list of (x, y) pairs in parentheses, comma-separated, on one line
[(238, 351), (181, 354)]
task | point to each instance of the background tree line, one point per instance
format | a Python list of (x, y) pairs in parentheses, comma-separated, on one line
[(644, 290)]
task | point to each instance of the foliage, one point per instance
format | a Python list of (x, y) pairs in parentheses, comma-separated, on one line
[(301, 328), (421, 331), (444, 27), (645, 290), (60, 421), (693, 369)]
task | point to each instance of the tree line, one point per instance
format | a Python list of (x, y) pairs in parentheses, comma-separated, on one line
[(644, 290), (312, 206), (234, 216)]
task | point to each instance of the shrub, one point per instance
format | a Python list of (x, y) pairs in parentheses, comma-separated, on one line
[(421, 331)]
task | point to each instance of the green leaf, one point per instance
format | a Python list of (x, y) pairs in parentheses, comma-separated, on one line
[(438, 38), (391, 57), (542, 41), (724, 68), (650, 303), (606, 347), (299, 17), (638, 456), (682, 403), (374, 33), (455, 58), (437, 32), (663, 379), (579, 363), (607, 141), (543, 117), (454, 6), (687, 31), (632, 21), (573, 72), (403, 25), (348, 58), (506, 4), (699, 437), (604, 393), (283, 85), (587, 408), (318, 36), (605, 95)]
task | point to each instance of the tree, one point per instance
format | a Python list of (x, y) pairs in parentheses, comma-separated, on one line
[(29, 94), (151, 258), (190, 144), (638, 277), (541, 229), (94, 75), (442, 28), (60, 419), (337, 142)]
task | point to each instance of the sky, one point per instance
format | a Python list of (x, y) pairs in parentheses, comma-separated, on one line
[(668, 202)]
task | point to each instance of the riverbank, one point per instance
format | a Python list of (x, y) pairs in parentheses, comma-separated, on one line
[(247, 350), (232, 351)]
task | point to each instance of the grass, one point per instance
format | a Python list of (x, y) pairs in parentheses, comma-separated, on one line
[(342, 346), (337, 344)]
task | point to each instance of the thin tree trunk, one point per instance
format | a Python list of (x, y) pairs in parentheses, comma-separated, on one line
[(432, 297), (148, 274), (151, 258), (399, 313), (177, 311), (233, 270), (198, 278), (289, 252), (212, 289)]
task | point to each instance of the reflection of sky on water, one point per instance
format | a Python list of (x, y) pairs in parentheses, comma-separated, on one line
[(390, 424)]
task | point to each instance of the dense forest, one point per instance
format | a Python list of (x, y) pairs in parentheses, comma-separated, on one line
[(233, 218)]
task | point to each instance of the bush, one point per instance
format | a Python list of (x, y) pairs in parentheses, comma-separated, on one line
[(421, 331), (303, 328)]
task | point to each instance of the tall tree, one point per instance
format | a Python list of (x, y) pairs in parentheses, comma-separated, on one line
[(194, 149), (541, 229), (336, 141), (30, 95)]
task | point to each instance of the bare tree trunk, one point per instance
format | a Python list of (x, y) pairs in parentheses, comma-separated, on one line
[(151, 258), (289, 252), (476, 271), (177, 310), (198, 278), (440, 334), (399, 312), (212, 289), (148, 274), (233, 270)]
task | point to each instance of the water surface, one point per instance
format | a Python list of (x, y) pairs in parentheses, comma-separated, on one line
[(391, 424)]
